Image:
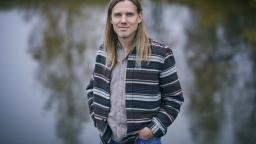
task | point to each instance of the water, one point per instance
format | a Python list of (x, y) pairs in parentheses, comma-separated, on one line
[(23, 118), (47, 56)]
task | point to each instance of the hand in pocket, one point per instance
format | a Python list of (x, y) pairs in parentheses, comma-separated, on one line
[(145, 133)]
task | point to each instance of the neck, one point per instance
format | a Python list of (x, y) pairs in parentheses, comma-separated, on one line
[(127, 44)]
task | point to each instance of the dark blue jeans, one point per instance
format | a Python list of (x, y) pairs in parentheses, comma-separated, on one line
[(154, 140)]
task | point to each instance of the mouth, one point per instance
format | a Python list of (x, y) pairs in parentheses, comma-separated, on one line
[(123, 28)]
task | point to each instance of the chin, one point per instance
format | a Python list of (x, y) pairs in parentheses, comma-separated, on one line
[(123, 36)]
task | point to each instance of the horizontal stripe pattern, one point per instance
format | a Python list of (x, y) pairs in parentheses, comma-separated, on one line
[(143, 98), (153, 92)]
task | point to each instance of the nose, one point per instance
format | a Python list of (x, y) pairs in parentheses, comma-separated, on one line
[(123, 19)]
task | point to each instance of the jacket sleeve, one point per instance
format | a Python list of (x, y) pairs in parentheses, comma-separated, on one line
[(89, 91), (171, 96)]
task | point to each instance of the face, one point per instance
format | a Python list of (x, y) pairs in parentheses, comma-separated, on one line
[(125, 19)]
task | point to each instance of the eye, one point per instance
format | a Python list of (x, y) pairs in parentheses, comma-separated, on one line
[(129, 14), (117, 14)]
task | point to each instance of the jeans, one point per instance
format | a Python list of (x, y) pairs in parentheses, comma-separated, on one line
[(154, 140), (114, 142)]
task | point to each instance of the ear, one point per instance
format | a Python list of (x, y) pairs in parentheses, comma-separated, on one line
[(140, 17), (110, 20)]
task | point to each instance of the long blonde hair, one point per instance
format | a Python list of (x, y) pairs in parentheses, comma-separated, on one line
[(110, 42)]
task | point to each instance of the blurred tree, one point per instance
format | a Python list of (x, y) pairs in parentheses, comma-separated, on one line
[(211, 64), (239, 14), (57, 47)]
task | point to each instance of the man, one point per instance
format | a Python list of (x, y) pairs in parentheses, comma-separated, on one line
[(134, 93)]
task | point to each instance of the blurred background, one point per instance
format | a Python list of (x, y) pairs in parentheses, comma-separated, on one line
[(47, 52)]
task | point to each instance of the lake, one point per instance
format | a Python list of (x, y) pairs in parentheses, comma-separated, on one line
[(47, 56)]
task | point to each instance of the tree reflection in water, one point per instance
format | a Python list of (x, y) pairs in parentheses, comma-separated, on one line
[(223, 61), (220, 48), (62, 43)]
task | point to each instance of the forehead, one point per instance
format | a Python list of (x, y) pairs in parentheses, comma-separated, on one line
[(124, 6)]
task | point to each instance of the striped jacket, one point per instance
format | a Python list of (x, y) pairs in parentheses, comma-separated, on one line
[(153, 93)]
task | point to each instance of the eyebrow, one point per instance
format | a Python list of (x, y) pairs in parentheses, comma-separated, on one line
[(117, 13)]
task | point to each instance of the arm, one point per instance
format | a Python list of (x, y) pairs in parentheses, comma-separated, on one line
[(89, 91), (171, 97)]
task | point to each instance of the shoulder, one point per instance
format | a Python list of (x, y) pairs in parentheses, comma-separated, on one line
[(101, 55), (101, 51), (158, 48)]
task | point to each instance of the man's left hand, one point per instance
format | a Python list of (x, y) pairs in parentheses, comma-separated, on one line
[(146, 133)]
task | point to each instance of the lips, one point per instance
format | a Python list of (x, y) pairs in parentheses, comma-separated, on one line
[(123, 28)]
